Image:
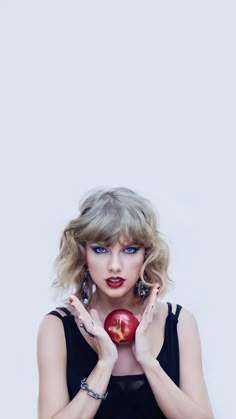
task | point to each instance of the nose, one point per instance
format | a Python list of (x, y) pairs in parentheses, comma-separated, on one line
[(114, 263)]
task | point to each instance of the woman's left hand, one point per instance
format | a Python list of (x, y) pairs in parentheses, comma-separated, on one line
[(141, 346)]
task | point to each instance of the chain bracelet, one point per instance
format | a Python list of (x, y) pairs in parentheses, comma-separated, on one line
[(90, 392)]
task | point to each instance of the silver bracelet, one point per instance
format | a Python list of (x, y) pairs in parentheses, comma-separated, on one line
[(84, 386)]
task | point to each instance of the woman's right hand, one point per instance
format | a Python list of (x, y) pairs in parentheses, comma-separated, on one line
[(92, 324)]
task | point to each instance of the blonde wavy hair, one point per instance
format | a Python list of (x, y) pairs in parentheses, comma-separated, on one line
[(106, 215)]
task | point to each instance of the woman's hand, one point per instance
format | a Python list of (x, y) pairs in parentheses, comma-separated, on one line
[(92, 324), (141, 346)]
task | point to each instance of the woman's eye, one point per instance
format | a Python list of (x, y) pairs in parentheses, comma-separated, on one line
[(131, 250), (99, 249)]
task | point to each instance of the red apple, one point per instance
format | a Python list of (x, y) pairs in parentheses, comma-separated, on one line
[(121, 325)]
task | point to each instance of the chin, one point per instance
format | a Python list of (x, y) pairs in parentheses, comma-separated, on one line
[(118, 293)]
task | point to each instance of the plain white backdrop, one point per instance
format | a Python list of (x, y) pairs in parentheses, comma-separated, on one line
[(128, 93)]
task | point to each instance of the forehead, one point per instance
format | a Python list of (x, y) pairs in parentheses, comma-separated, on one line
[(121, 240), (124, 241)]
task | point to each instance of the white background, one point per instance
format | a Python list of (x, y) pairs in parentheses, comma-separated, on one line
[(128, 93)]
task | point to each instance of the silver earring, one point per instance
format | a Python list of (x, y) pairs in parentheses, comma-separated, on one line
[(88, 287), (85, 296), (85, 287), (141, 290)]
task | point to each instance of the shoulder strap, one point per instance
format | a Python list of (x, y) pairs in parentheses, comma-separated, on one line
[(57, 314), (178, 308), (169, 307), (65, 310)]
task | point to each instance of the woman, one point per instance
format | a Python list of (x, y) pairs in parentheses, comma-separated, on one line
[(113, 256)]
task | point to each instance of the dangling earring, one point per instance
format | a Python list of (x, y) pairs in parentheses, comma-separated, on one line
[(84, 295), (141, 290), (88, 287)]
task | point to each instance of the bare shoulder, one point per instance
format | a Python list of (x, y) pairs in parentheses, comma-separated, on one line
[(51, 356), (162, 308), (192, 380), (51, 337), (187, 325), (185, 318), (186, 315), (50, 323), (188, 334)]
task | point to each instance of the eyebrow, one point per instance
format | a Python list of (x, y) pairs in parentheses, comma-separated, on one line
[(131, 244)]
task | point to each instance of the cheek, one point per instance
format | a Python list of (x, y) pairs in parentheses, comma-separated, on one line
[(137, 264), (90, 259), (94, 263)]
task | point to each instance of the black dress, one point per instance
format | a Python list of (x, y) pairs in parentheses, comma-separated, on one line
[(130, 396)]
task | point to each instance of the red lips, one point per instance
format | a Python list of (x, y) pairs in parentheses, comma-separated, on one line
[(115, 281)]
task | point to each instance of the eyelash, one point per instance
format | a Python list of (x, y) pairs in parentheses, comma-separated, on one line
[(96, 250)]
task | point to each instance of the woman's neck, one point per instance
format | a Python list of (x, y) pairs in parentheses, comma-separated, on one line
[(104, 304)]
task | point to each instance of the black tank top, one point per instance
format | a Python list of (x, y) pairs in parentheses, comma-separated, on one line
[(129, 396)]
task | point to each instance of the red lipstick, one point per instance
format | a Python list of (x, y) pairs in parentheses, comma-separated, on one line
[(115, 281)]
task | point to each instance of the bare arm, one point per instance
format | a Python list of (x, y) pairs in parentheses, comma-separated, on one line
[(190, 400), (54, 400)]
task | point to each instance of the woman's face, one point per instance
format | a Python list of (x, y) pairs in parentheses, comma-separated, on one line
[(115, 269)]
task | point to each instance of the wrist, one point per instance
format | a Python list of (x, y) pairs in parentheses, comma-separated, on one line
[(84, 386), (108, 364), (149, 363)]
